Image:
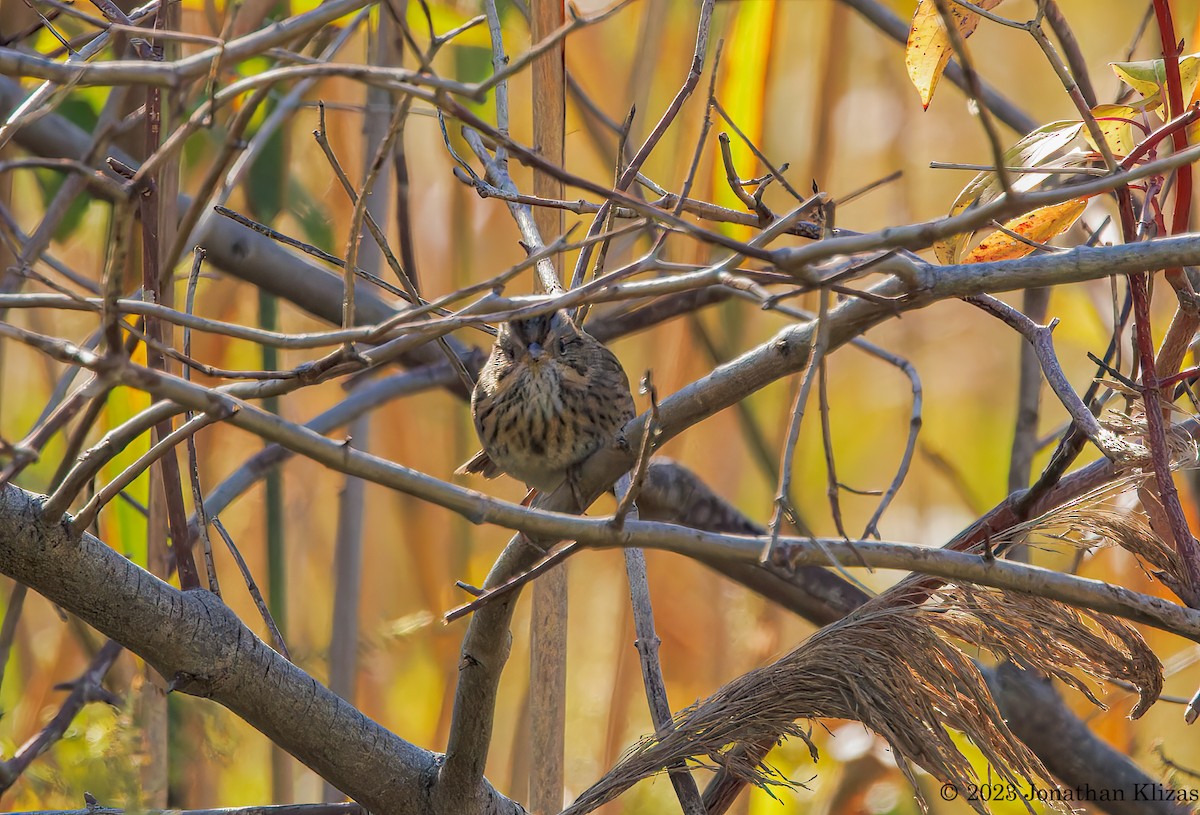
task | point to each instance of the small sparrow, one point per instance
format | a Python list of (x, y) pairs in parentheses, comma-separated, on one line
[(548, 397)]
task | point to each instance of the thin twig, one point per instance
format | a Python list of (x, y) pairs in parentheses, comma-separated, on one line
[(252, 587), (362, 214), (485, 596), (783, 494), (158, 451), (193, 458), (647, 644), (975, 91), (8, 630), (1038, 337), (626, 501), (652, 140), (1160, 458), (87, 688)]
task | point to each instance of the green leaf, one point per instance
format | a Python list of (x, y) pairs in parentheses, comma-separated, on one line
[(474, 64), (82, 110), (1149, 77), (49, 182), (267, 182)]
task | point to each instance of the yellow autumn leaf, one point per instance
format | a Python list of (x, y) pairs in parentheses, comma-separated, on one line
[(929, 49), (1039, 148), (1116, 123), (1038, 226)]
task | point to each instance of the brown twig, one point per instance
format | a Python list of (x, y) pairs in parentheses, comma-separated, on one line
[(776, 172), (8, 630), (647, 644), (1181, 217), (626, 502), (974, 90), (1185, 543), (161, 450), (914, 428), (656, 134), (1039, 339), (252, 587), (85, 689), (783, 495), (193, 458), (362, 214)]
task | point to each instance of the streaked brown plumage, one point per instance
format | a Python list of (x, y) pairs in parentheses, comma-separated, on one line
[(548, 397)]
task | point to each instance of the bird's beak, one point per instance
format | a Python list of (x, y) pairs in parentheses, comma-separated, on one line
[(535, 350)]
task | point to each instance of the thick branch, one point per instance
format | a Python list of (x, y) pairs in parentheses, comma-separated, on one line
[(1038, 716), (202, 648)]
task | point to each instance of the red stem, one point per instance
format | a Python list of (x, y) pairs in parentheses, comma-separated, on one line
[(1179, 377), (1180, 122), (1183, 181), (1185, 542)]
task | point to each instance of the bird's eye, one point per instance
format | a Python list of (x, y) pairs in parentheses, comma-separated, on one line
[(565, 343)]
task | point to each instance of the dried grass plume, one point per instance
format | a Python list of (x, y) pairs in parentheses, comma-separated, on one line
[(908, 674)]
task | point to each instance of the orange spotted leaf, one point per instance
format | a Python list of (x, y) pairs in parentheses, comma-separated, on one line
[(1038, 226)]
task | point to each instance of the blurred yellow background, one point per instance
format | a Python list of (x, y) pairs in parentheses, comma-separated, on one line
[(817, 87)]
